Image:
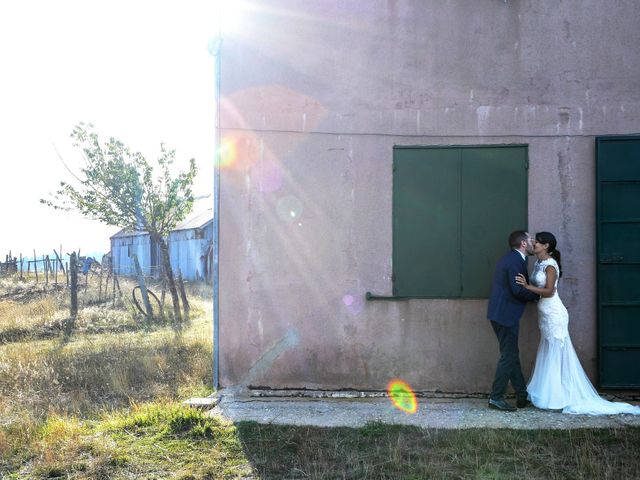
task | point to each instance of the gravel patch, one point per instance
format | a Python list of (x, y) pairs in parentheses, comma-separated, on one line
[(441, 413)]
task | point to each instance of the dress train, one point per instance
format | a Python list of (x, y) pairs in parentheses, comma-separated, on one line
[(559, 381)]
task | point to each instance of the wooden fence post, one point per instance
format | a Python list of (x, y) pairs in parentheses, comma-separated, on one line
[(35, 264), (114, 289), (74, 286), (100, 287), (183, 296), (61, 264), (117, 284), (86, 280), (106, 285), (143, 287), (162, 297)]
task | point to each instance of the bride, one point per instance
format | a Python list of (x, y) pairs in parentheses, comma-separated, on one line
[(558, 380)]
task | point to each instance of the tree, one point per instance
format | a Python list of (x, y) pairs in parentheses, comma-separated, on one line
[(119, 187)]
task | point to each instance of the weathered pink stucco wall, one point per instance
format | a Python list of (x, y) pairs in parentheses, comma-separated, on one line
[(316, 94)]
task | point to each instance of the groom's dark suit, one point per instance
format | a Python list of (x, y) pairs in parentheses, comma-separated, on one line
[(506, 305)]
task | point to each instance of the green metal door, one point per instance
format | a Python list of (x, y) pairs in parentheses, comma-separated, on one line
[(618, 260)]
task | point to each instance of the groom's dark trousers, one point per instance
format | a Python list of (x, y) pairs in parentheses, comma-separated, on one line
[(506, 305), (508, 368)]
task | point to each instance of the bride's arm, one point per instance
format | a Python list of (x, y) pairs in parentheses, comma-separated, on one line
[(548, 290)]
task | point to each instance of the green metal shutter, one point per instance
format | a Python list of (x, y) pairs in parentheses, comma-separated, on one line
[(453, 209), (426, 236), (618, 260), (494, 203)]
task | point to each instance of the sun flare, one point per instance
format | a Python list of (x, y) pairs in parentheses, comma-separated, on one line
[(402, 396)]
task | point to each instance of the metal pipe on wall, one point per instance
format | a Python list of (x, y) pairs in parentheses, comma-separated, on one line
[(215, 50)]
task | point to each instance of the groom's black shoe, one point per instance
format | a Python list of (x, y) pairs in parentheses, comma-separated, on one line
[(501, 405), (523, 403)]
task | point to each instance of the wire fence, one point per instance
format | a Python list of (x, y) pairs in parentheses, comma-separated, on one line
[(91, 282), (51, 268)]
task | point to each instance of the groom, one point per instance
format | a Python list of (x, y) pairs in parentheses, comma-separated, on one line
[(506, 305)]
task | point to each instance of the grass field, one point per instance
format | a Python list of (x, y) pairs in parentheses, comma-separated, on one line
[(104, 402)]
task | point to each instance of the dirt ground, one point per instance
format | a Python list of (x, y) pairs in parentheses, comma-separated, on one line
[(446, 413)]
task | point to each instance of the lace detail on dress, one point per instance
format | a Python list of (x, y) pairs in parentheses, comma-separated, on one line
[(539, 275), (553, 317)]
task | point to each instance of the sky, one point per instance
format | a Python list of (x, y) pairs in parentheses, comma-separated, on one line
[(139, 71)]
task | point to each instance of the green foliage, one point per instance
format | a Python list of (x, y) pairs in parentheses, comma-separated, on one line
[(170, 420), (119, 187)]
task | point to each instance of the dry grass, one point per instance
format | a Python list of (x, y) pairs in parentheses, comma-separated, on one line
[(30, 320), (85, 375), (53, 381)]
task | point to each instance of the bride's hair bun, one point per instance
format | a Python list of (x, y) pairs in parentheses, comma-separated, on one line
[(549, 238)]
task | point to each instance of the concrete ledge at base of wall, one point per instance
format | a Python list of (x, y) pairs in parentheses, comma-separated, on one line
[(240, 391), (433, 413), (263, 392), (204, 403), (304, 393)]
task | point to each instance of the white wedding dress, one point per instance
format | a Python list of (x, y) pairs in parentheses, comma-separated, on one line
[(558, 380)]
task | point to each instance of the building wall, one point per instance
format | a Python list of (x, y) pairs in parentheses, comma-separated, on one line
[(315, 95)]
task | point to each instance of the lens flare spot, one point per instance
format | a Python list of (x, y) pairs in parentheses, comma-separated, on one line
[(227, 153), (289, 208), (353, 302), (402, 396)]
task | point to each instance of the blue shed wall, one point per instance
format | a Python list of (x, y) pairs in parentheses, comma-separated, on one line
[(188, 251), (123, 247)]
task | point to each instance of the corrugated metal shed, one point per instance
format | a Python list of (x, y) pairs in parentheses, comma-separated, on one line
[(190, 246), (125, 244)]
